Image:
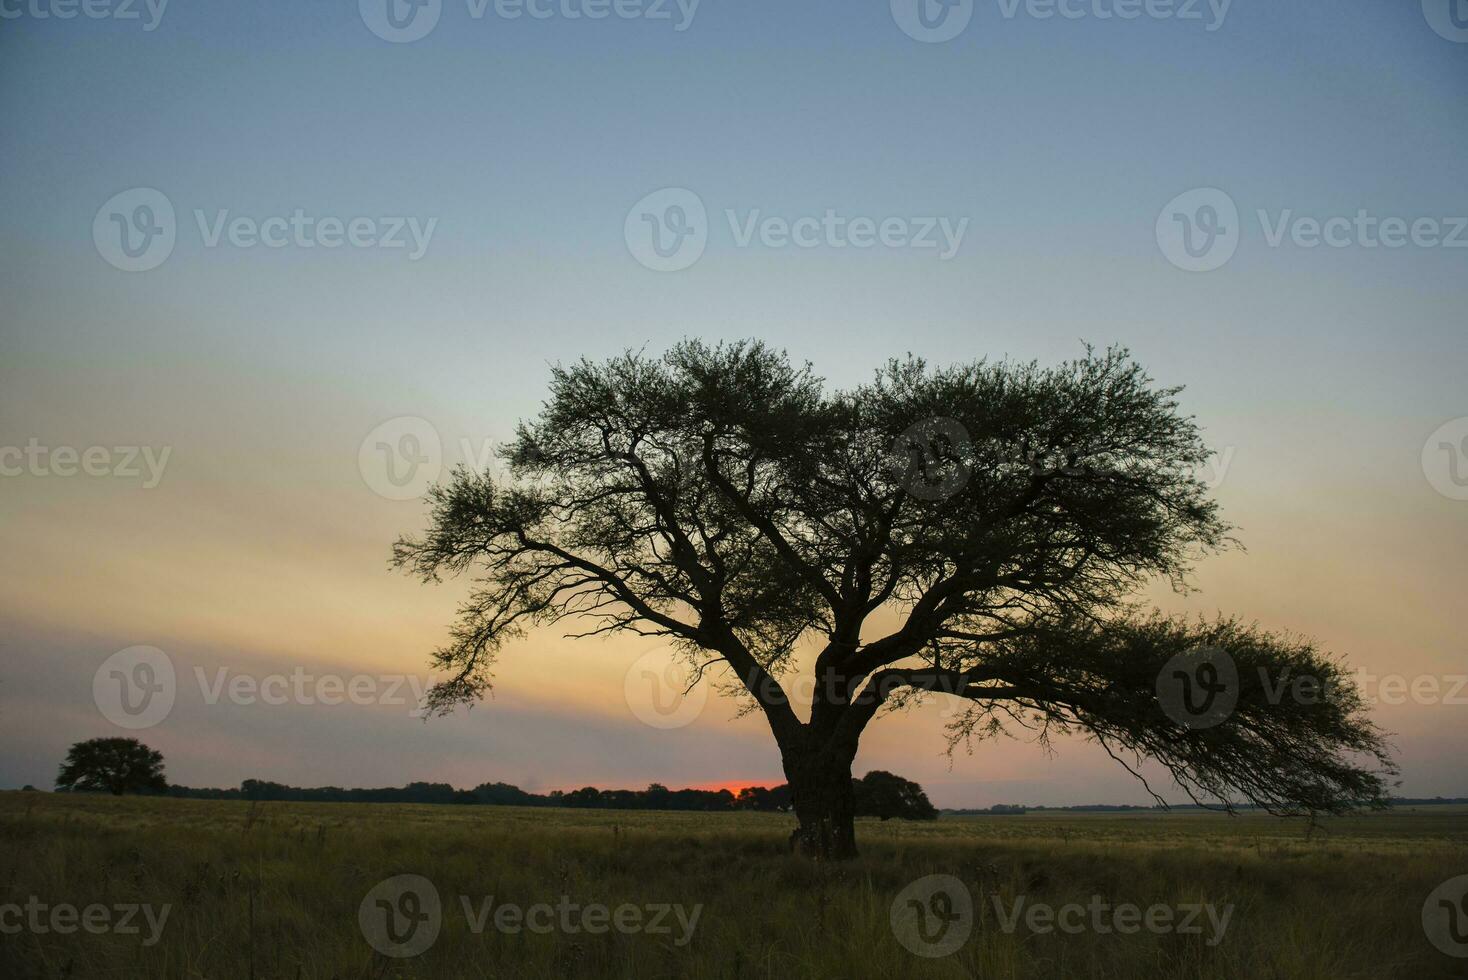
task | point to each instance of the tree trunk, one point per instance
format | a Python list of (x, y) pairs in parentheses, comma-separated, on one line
[(825, 806)]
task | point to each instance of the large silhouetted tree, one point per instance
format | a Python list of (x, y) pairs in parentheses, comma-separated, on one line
[(975, 532), (116, 765)]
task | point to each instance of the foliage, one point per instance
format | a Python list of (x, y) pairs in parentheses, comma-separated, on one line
[(881, 794), (722, 498), (113, 765)]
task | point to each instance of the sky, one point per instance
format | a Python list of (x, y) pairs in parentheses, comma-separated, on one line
[(242, 246)]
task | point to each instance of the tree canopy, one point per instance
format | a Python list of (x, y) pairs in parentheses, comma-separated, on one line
[(885, 795), (113, 765), (978, 532)]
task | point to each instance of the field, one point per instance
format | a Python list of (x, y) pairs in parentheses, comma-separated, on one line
[(275, 891)]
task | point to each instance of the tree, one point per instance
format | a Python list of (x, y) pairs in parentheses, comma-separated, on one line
[(117, 765), (885, 795), (975, 532), (764, 798)]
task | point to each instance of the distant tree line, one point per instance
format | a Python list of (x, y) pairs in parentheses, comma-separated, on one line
[(878, 794), (1014, 809), (125, 765)]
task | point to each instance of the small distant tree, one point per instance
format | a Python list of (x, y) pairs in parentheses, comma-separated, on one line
[(887, 795), (116, 765)]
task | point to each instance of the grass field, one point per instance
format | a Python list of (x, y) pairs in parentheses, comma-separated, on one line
[(275, 891)]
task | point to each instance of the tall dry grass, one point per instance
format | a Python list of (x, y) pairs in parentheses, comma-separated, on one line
[(272, 891)]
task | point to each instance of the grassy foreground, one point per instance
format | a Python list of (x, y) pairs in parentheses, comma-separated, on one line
[(275, 890)]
